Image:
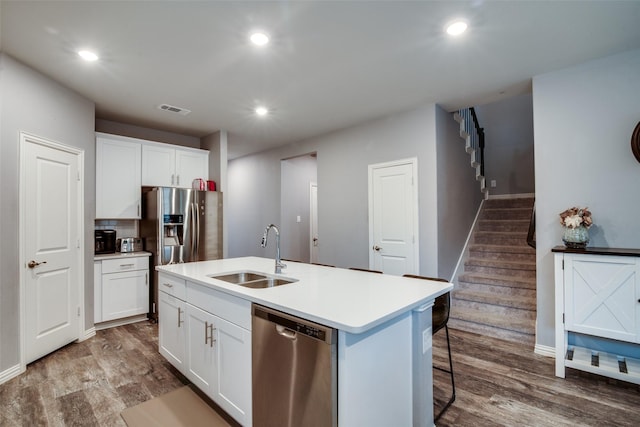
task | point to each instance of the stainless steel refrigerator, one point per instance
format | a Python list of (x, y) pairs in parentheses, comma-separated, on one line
[(179, 225)]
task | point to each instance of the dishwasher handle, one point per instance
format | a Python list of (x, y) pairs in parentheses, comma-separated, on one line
[(286, 332), (289, 326)]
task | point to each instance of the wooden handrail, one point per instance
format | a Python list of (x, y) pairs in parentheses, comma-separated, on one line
[(531, 234)]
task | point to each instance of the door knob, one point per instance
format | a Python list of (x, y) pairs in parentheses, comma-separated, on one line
[(33, 263), (376, 248)]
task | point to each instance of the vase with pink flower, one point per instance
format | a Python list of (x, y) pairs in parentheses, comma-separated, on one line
[(576, 222)]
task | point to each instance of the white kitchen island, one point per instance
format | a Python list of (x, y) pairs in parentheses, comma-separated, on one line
[(383, 322)]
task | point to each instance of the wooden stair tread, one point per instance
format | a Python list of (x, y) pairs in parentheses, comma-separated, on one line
[(495, 320), (508, 265), (504, 300), (502, 248), (498, 280)]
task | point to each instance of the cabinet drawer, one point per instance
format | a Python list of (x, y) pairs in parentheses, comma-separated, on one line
[(172, 286), (125, 264), (231, 308)]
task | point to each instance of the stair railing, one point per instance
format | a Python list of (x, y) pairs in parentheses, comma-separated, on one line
[(480, 132), (531, 234), (476, 135)]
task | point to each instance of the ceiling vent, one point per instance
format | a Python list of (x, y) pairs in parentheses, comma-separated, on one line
[(172, 109)]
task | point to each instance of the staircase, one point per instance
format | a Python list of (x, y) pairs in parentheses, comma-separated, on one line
[(473, 136), (496, 293)]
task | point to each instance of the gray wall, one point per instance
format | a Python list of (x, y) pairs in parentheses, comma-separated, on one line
[(583, 120), (132, 131), (296, 175), (33, 103), (342, 159), (509, 144), (459, 194)]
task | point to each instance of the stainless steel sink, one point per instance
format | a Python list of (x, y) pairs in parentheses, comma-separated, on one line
[(239, 277), (266, 283), (249, 279)]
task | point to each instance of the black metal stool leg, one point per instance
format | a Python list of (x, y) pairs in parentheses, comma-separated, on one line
[(450, 371)]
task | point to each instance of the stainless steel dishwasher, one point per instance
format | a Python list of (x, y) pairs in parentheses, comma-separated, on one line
[(294, 371)]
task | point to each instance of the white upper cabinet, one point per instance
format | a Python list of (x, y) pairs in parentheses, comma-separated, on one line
[(118, 162), (170, 166)]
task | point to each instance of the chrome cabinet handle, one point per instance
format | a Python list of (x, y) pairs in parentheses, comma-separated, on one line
[(208, 333), (33, 263), (180, 322), (168, 285), (126, 265)]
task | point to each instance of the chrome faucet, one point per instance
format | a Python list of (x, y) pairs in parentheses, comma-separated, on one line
[(279, 264)]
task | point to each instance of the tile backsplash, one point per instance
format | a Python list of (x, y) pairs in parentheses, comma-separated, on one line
[(123, 227)]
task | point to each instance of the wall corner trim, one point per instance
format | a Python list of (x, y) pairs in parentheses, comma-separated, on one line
[(89, 333), (10, 373), (545, 350)]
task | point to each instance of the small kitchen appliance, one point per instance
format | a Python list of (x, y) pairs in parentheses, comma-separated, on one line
[(129, 244), (105, 241)]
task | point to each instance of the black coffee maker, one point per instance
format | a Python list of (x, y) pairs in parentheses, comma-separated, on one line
[(105, 241)]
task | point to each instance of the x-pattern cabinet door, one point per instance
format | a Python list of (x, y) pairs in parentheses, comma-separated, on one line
[(601, 296)]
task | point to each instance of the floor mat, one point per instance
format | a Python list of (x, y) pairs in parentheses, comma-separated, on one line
[(181, 407)]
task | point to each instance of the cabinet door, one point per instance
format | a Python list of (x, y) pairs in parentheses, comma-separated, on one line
[(118, 178), (232, 381), (200, 345), (158, 165), (97, 292), (125, 294), (601, 294), (191, 165), (172, 330)]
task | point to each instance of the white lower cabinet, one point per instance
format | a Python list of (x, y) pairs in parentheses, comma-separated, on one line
[(172, 330), (232, 376), (212, 352), (121, 288), (201, 330)]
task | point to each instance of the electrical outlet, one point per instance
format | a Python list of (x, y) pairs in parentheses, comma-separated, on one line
[(493, 183)]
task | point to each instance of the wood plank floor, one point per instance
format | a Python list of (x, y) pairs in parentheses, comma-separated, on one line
[(503, 383), (498, 383)]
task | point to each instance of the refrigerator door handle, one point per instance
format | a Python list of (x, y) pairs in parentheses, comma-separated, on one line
[(197, 228), (195, 231)]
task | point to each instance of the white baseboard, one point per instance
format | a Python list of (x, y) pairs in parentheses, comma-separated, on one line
[(89, 333), (545, 350), (10, 373), (120, 322)]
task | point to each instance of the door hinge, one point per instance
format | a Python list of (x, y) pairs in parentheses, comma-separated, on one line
[(562, 317), (78, 175), (563, 264), (78, 311), (78, 243)]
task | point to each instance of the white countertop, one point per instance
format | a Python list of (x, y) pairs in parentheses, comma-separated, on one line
[(350, 300), (118, 255)]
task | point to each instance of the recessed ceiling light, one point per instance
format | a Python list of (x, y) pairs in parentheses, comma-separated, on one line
[(259, 39), (261, 111), (456, 28), (88, 55)]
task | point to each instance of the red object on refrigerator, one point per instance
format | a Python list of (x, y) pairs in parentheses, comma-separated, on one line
[(211, 185)]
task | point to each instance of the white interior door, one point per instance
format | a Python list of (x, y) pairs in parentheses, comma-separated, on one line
[(393, 217), (313, 220), (51, 227)]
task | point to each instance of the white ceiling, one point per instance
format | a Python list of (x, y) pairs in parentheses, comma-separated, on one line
[(330, 64)]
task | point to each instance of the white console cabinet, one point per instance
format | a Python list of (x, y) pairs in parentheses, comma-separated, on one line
[(598, 296), (206, 335)]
